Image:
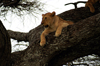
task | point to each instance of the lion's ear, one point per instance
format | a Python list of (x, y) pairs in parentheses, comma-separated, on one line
[(42, 14), (53, 13)]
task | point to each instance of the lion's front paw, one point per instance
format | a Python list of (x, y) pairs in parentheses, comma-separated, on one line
[(42, 43), (57, 34)]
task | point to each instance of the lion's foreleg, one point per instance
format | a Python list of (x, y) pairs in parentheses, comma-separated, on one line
[(43, 39), (58, 31)]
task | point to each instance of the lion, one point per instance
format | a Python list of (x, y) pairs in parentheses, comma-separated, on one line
[(90, 3), (52, 23)]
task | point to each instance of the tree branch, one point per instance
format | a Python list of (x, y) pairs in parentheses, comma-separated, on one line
[(18, 36), (5, 47), (75, 3), (78, 40), (9, 3)]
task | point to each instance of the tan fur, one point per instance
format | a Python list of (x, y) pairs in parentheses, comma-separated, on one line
[(52, 23), (90, 4)]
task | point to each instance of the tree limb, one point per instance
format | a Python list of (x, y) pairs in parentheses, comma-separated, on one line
[(5, 47), (9, 3), (75, 3), (19, 36), (78, 40)]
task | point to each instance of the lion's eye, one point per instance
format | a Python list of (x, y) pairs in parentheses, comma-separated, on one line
[(45, 17)]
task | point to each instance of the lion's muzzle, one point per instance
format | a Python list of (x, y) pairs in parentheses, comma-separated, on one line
[(45, 25)]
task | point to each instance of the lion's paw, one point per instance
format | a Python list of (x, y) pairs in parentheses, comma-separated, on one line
[(57, 34), (42, 43)]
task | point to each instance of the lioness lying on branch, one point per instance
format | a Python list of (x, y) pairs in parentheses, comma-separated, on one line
[(52, 23)]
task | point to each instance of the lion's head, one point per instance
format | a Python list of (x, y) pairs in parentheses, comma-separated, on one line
[(48, 19)]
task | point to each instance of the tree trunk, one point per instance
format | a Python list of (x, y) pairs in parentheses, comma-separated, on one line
[(5, 47), (76, 41)]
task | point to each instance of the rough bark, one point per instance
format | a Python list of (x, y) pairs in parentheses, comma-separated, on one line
[(78, 40), (5, 47)]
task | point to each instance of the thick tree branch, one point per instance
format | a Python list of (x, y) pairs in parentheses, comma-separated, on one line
[(78, 40), (5, 47)]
